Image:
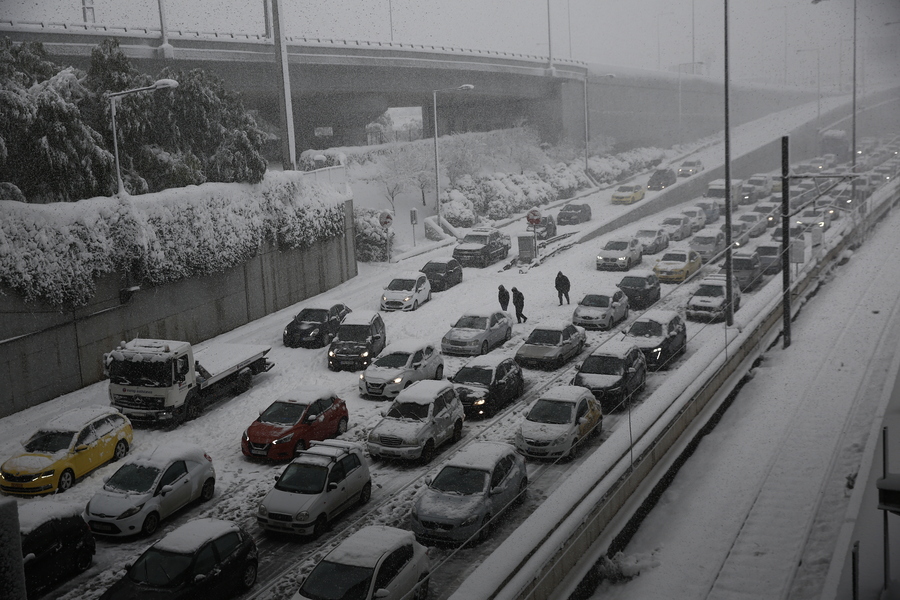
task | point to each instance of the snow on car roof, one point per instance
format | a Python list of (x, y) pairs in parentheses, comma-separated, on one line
[(366, 546), (613, 348), (406, 345), (422, 392), (191, 536), (565, 393), (307, 394), (75, 419), (37, 512), (359, 317), (482, 455), (660, 316), (165, 454)]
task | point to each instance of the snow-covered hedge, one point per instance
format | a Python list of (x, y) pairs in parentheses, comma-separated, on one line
[(55, 252), (371, 237)]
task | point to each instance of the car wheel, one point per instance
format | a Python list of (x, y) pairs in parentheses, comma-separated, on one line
[(208, 490), (66, 480), (484, 347), (342, 427), (320, 527), (366, 493), (439, 372), (151, 524), (415, 305), (428, 452), (121, 450), (248, 577), (83, 559), (299, 447)]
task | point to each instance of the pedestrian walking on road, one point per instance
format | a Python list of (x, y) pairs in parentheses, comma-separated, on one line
[(503, 297), (562, 287), (518, 300)]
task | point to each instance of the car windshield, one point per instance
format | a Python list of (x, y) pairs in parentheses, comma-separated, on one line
[(674, 257), (544, 337), (742, 264), (302, 478), (401, 285), (49, 441), (710, 291), (595, 301), (647, 233), (471, 322), (460, 480), (353, 333), (133, 478), (603, 365), (616, 245), (393, 360), (704, 240), (141, 372), (312, 315), (475, 239), (336, 581), (283, 413), (673, 221), (551, 411), (474, 375), (646, 329), (633, 282), (160, 568), (408, 411), (434, 268)]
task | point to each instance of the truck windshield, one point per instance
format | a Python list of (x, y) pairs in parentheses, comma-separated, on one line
[(143, 373)]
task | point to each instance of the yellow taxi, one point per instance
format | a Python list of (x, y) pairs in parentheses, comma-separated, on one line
[(66, 449), (628, 194), (677, 265)]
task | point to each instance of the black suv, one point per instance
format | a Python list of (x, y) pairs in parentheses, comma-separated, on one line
[(314, 327), (641, 287), (661, 179), (360, 338), (661, 335), (56, 544), (487, 383), (443, 274), (615, 372)]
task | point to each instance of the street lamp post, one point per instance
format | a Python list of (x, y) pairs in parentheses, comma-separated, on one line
[(160, 84), (437, 169)]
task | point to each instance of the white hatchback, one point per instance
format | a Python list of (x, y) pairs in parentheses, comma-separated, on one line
[(150, 487)]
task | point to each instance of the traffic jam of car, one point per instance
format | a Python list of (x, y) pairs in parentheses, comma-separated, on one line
[(555, 386)]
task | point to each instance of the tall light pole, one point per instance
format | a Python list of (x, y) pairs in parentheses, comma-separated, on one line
[(159, 84), (437, 169)]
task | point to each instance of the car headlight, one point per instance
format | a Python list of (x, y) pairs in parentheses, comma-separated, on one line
[(397, 379), (469, 521), (262, 511), (284, 440), (131, 511), (302, 516)]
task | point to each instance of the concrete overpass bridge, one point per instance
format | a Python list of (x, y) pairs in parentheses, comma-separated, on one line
[(339, 86)]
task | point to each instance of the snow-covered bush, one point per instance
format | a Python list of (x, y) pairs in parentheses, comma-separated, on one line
[(371, 238), (56, 252)]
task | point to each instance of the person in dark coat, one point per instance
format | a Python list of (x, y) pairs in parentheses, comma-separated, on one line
[(518, 300), (503, 297), (562, 287)]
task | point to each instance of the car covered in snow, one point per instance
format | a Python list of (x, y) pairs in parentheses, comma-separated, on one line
[(477, 332), (601, 309), (653, 240), (628, 194), (615, 372), (573, 214), (150, 487), (314, 327), (315, 488), (398, 366), (563, 417), (471, 490), (661, 335), (641, 287), (443, 274), (620, 254), (406, 291), (421, 418), (551, 346), (708, 303), (677, 265), (376, 561), (287, 426), (65, 449), (487, 383), (204, 558)]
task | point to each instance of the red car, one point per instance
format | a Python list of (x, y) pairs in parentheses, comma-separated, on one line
[(289, 424)]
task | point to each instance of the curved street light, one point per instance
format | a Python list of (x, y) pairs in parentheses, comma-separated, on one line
[(159, 84), (437, 171)]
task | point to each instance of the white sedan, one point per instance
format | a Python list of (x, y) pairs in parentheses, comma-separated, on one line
[(149, 488)]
